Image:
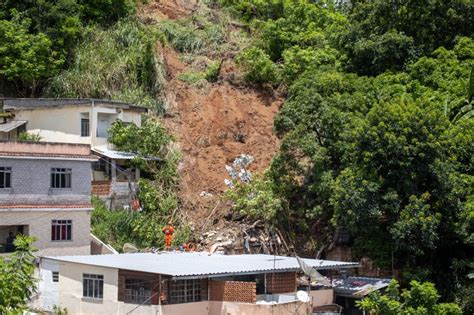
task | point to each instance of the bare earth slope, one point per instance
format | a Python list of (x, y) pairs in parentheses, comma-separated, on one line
[(212, 125)]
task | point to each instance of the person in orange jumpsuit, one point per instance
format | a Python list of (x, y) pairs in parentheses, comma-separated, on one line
[(168, 231)]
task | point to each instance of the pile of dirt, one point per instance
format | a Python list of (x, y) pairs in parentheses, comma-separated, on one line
[(168, 9)]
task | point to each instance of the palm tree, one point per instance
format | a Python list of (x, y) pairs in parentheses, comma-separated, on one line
[(464, 110)]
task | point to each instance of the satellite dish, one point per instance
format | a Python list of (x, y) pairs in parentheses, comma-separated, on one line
[(314, 276), (302, 296)]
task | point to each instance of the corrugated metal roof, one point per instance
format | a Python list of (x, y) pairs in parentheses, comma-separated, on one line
[(13, 124), (197, 264), (119, 155), (358, 286)]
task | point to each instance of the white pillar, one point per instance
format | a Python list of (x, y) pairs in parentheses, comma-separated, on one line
[(114, 171)]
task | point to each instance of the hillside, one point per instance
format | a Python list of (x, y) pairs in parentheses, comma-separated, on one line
[(358, 116)]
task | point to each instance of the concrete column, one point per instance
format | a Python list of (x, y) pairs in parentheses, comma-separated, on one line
[(114, 171), (137, 174), (93, 123)]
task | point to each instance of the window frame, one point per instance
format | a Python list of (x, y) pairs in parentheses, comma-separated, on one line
[(85, 131), (55, 276), (91, 282), (185, 291), (135, 293), (57, 181), (57, 232), (6, 173)]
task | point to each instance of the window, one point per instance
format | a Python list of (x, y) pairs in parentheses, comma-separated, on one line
[(5, 177), (55, 275), (137, 291), (183, 291), (61, 177), (61, 230), (85, 127), (92, 286)]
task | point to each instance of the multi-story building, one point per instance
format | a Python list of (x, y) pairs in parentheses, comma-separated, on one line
[(81, 121), (45, 192)]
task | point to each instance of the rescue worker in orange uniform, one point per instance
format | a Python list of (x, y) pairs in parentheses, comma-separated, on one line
[(168, 231)]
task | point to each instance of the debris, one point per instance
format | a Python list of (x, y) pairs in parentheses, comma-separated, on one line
[(229, 183), (205, 194)]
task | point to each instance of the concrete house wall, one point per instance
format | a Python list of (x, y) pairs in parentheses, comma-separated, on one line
[(31, 182), (69, 295), (57, 124), (38, 224), (30, 205), (63, 123)]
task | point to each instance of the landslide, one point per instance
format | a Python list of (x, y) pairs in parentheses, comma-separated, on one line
[(213, 123)]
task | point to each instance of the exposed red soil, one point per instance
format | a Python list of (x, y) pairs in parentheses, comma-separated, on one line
[(213, 125), (168, 9)]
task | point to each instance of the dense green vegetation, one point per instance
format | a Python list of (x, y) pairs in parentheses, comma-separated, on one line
[(17, 281), (377, 143), (421, 298), (116, 63), (39, 37)]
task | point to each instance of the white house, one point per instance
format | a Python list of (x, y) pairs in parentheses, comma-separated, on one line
[(80, 121), (179, 283)]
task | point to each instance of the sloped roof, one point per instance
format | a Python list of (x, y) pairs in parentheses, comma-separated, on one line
[(199, 264), (13, 124), (358, 287), (119, 155)]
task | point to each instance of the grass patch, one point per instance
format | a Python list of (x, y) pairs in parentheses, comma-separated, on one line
[(117, 63)]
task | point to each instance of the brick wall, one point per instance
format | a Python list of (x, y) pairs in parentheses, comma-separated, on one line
[(38, 224), (31, 181), (284, 282), (101, 188), (233, 291)]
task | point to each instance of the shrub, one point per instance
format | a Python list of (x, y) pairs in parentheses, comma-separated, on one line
[(257, 66)]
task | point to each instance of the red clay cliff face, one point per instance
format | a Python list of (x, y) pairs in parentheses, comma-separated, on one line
[(213, 125)]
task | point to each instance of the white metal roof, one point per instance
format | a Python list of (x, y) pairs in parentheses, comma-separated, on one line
[(118, 155), (189, 265), (12, 124)]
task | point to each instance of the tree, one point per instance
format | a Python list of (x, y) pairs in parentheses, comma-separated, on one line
[(420, 299), (25, 57), (409, 27), (17, 281)]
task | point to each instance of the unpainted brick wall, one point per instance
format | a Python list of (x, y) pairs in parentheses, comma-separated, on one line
[(284, 282), (233, 291)]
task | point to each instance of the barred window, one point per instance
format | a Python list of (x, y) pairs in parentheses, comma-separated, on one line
[(5, 177), (85, 127), (61, 177), (184, 291), (137, 291), (61, 230), (55, 276), (92, 286)]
